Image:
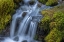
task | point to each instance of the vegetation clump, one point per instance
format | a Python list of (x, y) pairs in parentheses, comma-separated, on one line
[(52, 2), (53, 23), (54, 36), (7, 8), (43, 1), (49, 2)]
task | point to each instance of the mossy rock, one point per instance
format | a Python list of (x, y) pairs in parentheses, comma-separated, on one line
[(53, 23), (43, 1), (51, 2), (54, 36), (59, 19), (53, 18), (6, 9)]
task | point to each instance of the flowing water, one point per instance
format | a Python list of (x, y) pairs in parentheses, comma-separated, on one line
[(24, 23)]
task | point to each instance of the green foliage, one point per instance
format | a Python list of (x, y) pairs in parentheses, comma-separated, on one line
[(52, 2), (45, 23), (52, 25), (53, 21), (43, 1), (6, 9), (59, 19), (49, 2), (54, 36)]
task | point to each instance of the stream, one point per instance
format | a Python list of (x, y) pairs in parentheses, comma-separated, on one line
[(24, 23)]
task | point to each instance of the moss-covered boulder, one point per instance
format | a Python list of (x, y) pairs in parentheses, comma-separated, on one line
[(49, 2), (43, 1), (54, 36), (52, 2), (6, 9), (53, 23)]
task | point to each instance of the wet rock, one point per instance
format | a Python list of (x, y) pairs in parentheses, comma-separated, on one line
[(39, 5), (60, 1), (24, 14), (24, 41), (1, 38), (16, 38), (31, 2)]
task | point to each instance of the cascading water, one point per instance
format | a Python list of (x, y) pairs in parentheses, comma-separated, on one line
[(26, 29), (24, 22)]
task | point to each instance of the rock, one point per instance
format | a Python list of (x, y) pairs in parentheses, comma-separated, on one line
[(18, 1), (39, 4), (16, 38), (23, 15), (31, 2), (1, 38), (24, 41)]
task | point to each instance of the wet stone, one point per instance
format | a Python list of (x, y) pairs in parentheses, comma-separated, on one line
[(24, 41), (16, 38), (31, 2), (39, 5), (24, 14)]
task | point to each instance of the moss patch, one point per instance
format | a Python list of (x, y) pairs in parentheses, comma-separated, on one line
[(43, 1), (54, 36), (53, 22), (52, 2), (6, 9), (49, 2)]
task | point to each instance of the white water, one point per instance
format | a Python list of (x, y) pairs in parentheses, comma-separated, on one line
[(27, 25)]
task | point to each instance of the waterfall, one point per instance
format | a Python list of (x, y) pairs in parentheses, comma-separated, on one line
[(27, 26)]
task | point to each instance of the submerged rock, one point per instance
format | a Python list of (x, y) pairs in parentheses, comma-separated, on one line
[(16, 38)]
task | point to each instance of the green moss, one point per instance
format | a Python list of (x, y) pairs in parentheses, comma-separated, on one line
[(54, 36), (6, 9), (49, 2), (43, 1), (59, 19), (53, 21), (52, 2), (44, 23)]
